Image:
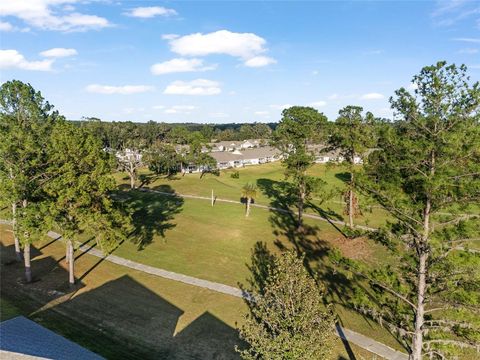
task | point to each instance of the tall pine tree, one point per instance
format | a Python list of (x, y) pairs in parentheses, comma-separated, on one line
[(427, 176)]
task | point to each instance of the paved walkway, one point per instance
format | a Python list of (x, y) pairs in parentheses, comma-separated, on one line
[(351, 336)]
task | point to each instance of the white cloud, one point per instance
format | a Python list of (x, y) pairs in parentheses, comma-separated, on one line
[(195, 87), (318, 104), (468, 51), (158, 107), (59, 52), (51, 15), (180, 65), (261, 113), (180, 109), (6, 26), (468, 40), (247, 46), (170, 36), (372, 96), (259, 61), (315, 72), (123, 90), (151, 11), (13, 59)]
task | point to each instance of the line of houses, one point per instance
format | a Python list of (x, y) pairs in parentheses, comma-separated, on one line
[(235, 154)]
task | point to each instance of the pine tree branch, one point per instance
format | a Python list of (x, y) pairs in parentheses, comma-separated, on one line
[(458, 343), (385, 287)]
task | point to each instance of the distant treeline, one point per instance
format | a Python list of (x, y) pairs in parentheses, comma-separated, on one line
[(119, 135)]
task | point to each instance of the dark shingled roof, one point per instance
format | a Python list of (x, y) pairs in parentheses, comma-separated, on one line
[(23, 336)]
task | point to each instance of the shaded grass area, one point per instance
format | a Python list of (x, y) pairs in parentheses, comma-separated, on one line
[(215, 243), (120, 313), (226, 187)]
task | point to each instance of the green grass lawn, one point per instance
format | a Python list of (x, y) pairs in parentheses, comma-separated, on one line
[(216, 243), (265, 176), (121, 313)]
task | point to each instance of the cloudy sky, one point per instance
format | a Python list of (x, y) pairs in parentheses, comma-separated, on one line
[(228, 61)]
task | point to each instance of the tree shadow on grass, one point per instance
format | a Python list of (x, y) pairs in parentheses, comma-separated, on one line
[(343, 176), (339, 287), (145, 320), (152, 213)]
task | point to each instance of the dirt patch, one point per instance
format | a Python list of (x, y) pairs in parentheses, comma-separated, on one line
[(356, 249)]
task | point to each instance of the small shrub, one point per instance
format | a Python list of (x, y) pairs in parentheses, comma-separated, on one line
[(235, 175)]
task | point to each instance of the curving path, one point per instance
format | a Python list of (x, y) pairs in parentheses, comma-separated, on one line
[(358, 339)]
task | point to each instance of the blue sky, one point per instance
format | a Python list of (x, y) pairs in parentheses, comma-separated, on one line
[(195, 61)]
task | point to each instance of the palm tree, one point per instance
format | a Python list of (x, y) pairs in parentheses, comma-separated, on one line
[(249, 192)]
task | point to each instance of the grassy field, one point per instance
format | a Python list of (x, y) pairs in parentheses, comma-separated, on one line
[(189, 236), (269, 179), (121, 313)]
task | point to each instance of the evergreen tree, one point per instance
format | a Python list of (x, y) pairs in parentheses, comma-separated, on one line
[(353, 135), (287, 318), (26, 120), (299, 128), (80, 186), (427, 176)]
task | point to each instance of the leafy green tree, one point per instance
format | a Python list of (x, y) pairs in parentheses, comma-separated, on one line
[(196, 156), (129, 161), (287, 317), (25, 123), (249, 193), (300, 127), (427, 176), (353, 136), (162, 159), (80, 187)]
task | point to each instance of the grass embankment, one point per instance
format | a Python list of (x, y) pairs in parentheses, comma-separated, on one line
[(121, 313)]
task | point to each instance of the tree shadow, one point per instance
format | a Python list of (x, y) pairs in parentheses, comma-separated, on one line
[(343, 176), (339, 287), (144, 318), (147, 179), (285, 223), (152, 213)]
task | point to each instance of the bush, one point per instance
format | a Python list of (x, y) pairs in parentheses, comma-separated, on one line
[(235, 175)]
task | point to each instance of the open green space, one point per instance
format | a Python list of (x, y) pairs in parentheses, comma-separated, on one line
[(121, 313), (270, 181)]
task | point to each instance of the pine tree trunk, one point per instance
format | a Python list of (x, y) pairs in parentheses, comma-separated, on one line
[(71, 264), (420, 310), (26, 257), (18, 251), (67, 253), (132, 182), (132, 175), (248, 207)]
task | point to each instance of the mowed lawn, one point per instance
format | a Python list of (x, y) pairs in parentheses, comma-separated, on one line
[(122, 313), (216, 244), (268, 178)]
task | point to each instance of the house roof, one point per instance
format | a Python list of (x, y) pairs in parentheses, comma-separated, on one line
[(223, 156), (247, 154), (256, 153), (21, 336)]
